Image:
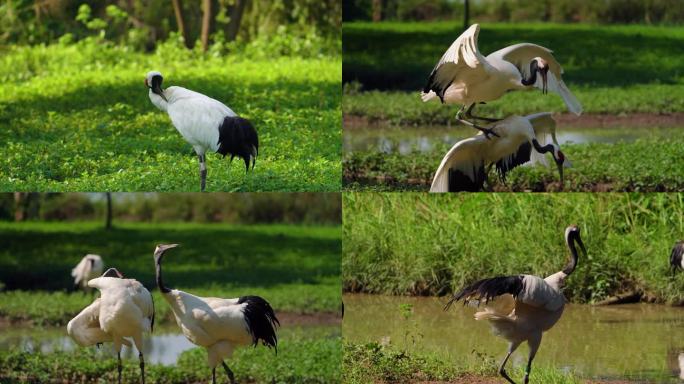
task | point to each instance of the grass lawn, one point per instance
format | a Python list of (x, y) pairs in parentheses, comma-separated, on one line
[(412, 243), (303, 357), (78, 118), (296, 268), (611, 69)]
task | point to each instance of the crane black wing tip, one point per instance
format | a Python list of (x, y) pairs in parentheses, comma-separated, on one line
[(238, 137), (261, 321)]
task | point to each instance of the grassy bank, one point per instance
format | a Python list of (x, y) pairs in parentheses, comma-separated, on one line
[(78, 118), (611, 69), (659, 166), (296, 268), (302, 358), (419, 244), (373, 363)]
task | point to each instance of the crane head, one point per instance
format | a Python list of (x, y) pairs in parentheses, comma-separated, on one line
[(112, 272), (161, 248), (153, 81), (561, 161), (541, 66)]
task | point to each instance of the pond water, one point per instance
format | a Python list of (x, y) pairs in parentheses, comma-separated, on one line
[(405, 140), (643, 342), (164, 346)]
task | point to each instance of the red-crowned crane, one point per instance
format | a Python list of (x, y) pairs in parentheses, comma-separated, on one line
[(464, 76), (124, 310), (89, 267), (465, 166), (205, 123), (219, 325), (521, 307), (677, 256)]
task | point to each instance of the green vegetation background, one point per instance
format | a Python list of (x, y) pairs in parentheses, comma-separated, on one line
[(418, 244)]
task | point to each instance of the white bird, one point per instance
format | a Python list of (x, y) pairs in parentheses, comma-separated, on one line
[(126, 310), (464, 76), (219, 325), (521, 307), (465, 166), (89, 267), (205, 123), (677, 256)]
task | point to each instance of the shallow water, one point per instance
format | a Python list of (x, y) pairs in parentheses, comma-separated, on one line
[(405, 140), (164, 346), (636, 341)]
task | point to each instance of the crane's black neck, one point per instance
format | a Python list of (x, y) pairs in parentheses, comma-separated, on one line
[(160, 283), (572, 263), (540, 149), (532, 78)]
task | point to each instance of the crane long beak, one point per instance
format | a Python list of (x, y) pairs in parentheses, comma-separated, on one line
[(559, 164), (581, 244), (544, 81)]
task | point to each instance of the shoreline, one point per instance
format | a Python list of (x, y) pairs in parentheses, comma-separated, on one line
[(590, 120)]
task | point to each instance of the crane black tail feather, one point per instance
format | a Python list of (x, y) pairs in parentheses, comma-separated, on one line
[(238, 137), (261, 321), (487, 289)]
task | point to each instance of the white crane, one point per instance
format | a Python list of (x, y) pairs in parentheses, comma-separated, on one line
[(464, 76), (219, 325), (465, 166), (205, 123), (125, 309), (521, 307), (677, 256), (89, 267)]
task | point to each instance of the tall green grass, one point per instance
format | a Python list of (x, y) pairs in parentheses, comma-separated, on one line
[(418, 244), (296, 268)]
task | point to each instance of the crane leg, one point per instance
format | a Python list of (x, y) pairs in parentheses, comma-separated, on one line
[(119, 367), (534, 346), (486, 131), (203, 171), (469, 115), (213, 375), (142, 367), (228, 372), (502, 368)]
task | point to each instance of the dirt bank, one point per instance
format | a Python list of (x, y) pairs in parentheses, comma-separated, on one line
[(632, 120)]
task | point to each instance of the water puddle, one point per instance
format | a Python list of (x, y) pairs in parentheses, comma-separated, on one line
[(637, 341), (405, 140), (164, 346)]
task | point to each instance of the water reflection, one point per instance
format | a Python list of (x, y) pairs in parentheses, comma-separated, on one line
[(640, 342), (405, 140)]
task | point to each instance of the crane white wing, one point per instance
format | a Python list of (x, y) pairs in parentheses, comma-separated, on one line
[(462, 168), (461, 62), (81, 270), (520, 55)]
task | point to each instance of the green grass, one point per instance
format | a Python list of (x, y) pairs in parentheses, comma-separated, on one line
[(373, 363), (78, 118), (302, 358), (611, 69), (646, 165), (296, 268), (413, 243)]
